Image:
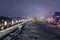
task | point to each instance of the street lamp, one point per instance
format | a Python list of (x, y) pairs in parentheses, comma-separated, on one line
[(2, 28), (19, 20), (5, 23), (12, 22), (16, 21)]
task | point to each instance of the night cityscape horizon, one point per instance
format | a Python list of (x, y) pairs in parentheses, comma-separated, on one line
[(29, 19)]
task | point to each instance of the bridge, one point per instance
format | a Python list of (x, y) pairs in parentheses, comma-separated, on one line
[(14, 30), (28, 30)]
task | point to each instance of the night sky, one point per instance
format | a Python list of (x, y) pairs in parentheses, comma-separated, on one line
[(29, 7)]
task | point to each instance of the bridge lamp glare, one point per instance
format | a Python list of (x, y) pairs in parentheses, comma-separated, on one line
[(12, 22), (5, 23)]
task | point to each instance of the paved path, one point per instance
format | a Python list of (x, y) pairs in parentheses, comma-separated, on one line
[(37, 31)]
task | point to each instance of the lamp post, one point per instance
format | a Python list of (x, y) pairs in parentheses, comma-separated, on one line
[(2, 28), (16, 21), (5, 23), (19, 21), (12, 22)]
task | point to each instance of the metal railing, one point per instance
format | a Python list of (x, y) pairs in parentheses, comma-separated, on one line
[(13, 34)]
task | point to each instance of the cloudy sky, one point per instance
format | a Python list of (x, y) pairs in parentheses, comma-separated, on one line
[(29, 7)]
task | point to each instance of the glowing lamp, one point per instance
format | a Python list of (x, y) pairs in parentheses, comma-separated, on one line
[(12, 22), (5, 23), (16, 21), (2, 28), (19, 20)]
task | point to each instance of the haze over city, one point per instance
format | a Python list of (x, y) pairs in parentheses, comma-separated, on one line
[(29, 7), (29, 19)]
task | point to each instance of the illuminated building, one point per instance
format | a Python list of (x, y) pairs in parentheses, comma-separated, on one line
[(56, 16)]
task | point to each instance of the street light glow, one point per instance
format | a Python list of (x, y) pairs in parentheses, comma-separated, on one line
[(5, 23), (12, 22)]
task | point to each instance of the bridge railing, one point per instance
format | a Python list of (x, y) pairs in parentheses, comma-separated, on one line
[(14, 33)]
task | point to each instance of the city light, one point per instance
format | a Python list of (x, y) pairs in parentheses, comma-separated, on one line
[(12, 22), (2, 28), (16, 21), (29, 19), (5, 23), (19, 20)]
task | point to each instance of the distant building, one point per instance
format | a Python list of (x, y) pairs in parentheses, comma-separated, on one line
[(56, 16), (33, 19), (3, 18)]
